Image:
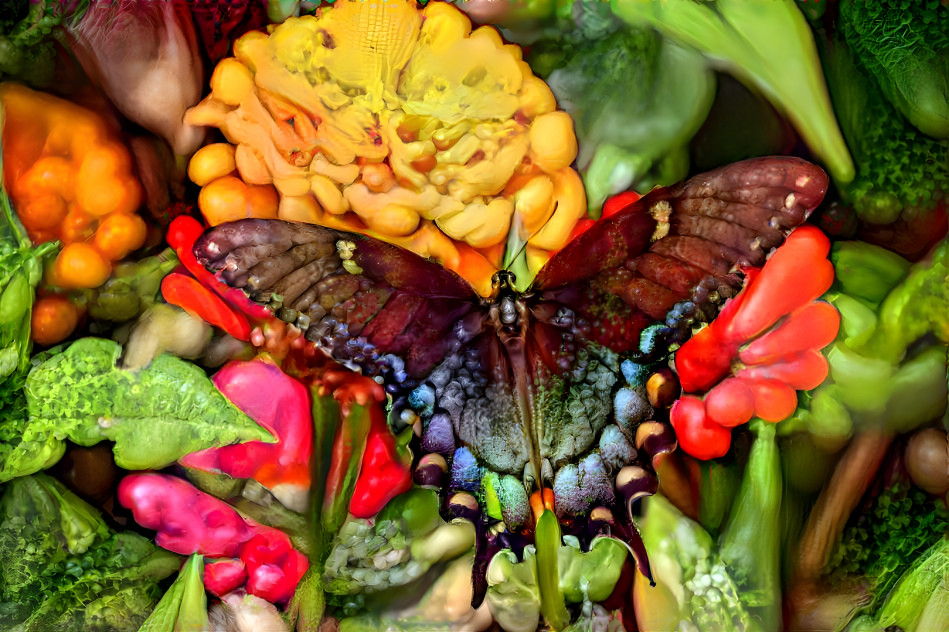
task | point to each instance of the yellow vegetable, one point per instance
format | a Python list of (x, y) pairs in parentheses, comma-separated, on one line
[(402, 123), (211, 162)]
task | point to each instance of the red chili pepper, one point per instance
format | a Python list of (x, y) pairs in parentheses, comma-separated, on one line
[(182, 234), (772, 365), (797, 273), (386, 470), (813, 326), (349, 445), (196, 299), (802, 371)]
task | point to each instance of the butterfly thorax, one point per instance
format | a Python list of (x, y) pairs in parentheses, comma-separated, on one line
[(508, 312)]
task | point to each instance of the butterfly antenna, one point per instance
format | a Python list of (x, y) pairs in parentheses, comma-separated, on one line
[(515, 245)]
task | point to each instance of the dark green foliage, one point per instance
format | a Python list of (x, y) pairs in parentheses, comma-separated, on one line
[(899, 169), (883, 541)]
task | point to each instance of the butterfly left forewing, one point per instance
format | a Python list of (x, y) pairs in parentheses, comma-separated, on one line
[(375, 307)]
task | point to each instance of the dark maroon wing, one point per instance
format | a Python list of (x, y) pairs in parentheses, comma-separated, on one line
[(370, 305), (683, 244)]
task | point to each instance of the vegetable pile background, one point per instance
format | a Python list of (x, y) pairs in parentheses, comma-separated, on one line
[(475, 315)]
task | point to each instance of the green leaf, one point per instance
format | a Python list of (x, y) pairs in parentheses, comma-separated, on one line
[(590, 575), (513, 591), (64, 570), (162, 618), (193, 611), (154, 415)]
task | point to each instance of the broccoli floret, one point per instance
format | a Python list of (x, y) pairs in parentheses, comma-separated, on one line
[(899, 169)]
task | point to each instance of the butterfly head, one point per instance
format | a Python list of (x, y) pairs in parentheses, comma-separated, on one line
[(503, 281)]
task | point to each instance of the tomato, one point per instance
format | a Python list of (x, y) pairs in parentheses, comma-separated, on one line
[(697, 434), (730, 403), (53, 319), (119, 234), (80, 265)]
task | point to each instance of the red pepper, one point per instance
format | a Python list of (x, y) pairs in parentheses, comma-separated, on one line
[(189, 521), (386, 469), (274, 567), (224, 575), (349, 445), (769, 365), (279, 403), (697, 435), (196, 299), (611, 207), (797, 273)]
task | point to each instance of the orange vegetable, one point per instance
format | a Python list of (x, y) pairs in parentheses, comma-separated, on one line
[(119, 234), (70, 179), (228, 198), (79, 265), (54, 318)]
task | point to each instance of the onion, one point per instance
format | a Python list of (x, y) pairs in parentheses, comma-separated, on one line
[(144, 55), (927, 460)]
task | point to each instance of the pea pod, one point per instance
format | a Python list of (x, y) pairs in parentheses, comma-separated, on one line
[(547, 539)]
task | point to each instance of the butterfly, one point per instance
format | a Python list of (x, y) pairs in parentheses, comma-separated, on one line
[(525, 384)]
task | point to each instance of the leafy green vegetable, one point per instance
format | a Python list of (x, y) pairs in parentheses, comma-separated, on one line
[(766, 44), (637, 100), (695, 590), (21, 267), (899, 170), (154, 415), (64, 569), (920, 601), (185, 604), (905, 45), (883, 541), (27, 29)]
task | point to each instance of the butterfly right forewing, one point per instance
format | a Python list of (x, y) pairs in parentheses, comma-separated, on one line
[(683, 244)]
